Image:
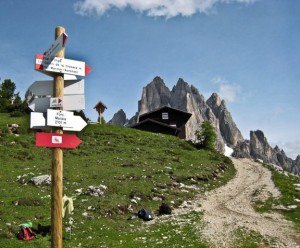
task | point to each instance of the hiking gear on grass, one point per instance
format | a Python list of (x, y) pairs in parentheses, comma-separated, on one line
[(25, 233)]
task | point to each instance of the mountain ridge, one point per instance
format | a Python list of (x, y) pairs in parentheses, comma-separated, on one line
[(188, 98)]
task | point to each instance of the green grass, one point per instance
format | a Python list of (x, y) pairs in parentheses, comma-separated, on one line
[(286, 186), (289, 194), (249, 239), (131, 163)]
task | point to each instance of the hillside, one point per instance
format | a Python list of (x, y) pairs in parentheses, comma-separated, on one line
[(134, 169), (130, 170)]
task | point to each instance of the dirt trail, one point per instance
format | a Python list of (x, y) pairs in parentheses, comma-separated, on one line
[(231, 207)]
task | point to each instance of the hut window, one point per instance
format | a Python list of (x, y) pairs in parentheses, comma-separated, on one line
[(165, 116)]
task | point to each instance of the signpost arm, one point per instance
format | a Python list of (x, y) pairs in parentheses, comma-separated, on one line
[(57, 163)]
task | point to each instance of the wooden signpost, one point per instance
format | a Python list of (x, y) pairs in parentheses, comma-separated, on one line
[(51, 94), (57, 163)]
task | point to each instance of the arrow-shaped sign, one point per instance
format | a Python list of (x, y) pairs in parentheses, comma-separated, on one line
[(71, 102), (38, 121), (58, 44), (61, 65), (45, 88), (57, 140), (77, 124)]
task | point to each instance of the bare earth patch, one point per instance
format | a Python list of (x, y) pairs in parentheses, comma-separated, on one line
[(230, 207)]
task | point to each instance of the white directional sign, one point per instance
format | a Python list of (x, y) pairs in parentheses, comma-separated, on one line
[(78, 124), (58, 44), (71, 102), (61, 65), (45, 88), (59, 118), (38, 121)]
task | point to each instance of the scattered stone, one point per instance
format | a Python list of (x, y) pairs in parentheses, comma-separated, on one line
[(97, 191), (41, 180), (79, 191), (85, 214)]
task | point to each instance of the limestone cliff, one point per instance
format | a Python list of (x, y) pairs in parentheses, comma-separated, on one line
[(259, 148), (187, 98)]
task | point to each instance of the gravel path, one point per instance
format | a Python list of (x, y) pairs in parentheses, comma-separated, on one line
[(230, 207)]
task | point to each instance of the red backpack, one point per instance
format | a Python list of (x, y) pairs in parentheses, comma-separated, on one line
[(25, 233)]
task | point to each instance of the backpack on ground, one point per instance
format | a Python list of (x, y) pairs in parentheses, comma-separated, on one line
[(25, 233), (144, 214), (164, 209)]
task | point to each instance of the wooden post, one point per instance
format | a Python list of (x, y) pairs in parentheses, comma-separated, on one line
[(57, 163)]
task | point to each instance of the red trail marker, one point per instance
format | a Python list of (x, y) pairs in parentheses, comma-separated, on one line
[(57, 140)]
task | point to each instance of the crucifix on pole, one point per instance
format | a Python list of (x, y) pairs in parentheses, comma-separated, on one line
[(100, 107)]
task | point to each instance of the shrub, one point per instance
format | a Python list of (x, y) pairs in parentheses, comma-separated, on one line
[(205, 136)]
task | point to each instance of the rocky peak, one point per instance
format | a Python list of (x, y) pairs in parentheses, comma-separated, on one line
[(259, 146), (119, 119), (154, 95), (158, 82), (187, 98), (214, 100), (227, 126)]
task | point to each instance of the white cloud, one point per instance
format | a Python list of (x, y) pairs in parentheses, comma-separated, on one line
[(165, 8), (227, 91)]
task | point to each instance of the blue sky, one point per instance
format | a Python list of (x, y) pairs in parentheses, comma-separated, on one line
[(247, 51)]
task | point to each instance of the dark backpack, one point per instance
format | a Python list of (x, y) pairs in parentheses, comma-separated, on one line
[(164, 209), (145, 215), (25, 233)]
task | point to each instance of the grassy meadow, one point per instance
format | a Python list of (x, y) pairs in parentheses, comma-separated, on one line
[(137, 169)]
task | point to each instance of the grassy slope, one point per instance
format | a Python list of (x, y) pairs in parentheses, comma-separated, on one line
[(129, 162), (289, 194)]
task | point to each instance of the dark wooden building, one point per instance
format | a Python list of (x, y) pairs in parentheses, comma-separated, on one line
[(165, 120)]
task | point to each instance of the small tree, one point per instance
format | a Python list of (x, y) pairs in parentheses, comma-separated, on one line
[(206, 136), (10, 101)]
